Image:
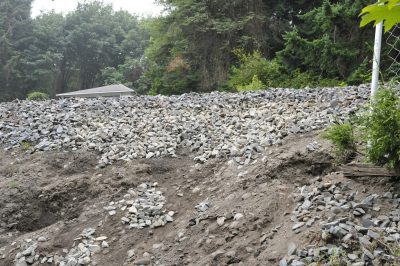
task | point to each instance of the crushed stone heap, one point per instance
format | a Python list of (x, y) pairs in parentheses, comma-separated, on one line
[(209, 125)]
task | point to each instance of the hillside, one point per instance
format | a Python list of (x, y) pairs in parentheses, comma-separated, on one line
[(197, 179)]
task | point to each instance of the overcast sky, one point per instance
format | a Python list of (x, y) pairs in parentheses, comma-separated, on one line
[(140, 7)]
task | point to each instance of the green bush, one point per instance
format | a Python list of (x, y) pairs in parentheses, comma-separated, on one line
[(254, 69), (380, 126), (342, 137), (256, 84), (37, 96), (298, 80), (256, 72)]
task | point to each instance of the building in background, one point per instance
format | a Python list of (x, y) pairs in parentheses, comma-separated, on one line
[(106, 91)]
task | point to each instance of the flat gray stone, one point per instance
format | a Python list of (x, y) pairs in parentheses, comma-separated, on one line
[(292, 247), (298, 225)]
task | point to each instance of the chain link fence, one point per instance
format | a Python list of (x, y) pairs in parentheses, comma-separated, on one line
[(392, 42)]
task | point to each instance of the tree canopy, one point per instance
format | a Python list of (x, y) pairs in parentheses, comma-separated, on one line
[(200, 46), (55, 53)]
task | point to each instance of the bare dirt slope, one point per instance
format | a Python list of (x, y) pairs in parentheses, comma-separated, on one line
[(243, 214)]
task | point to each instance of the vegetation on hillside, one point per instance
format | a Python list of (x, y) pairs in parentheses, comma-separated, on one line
[(195, 46), (55, 53), (377, 128)]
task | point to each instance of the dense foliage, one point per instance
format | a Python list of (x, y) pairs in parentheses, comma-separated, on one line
[(15, 38), (376, 129), (381, 129), (200, 45), (91, 46), (281, 44), (342, 137), (37, 96)]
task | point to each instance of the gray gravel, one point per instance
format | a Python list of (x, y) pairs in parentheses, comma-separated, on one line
[(142, 207), (85, 246), (352, 231), (208, 125)]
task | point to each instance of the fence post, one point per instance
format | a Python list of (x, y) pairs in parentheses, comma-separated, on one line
[(377, 58)]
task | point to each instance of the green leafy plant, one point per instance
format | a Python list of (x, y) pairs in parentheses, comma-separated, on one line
[(256, 84), (338, 258), (342, 137), (386, 11), (380, 127), (26, 145), (298, 80), (37, 96), (254, 71), (13, 184)]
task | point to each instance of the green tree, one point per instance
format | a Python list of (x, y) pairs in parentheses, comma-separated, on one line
[(50, 68), (328, 42), (15, 37), (204, 34)]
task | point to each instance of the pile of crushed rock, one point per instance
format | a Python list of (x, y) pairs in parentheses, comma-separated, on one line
[(353, 229), (212, 125), (85, 246)]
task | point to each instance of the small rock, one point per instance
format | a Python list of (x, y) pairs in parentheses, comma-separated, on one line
[(291, 248), (220, 221), (373, 235), (144, 261), (283, 262), (298, 225), (131, 253), (42, 239), (352, 257), (238, 216), (104, 244)]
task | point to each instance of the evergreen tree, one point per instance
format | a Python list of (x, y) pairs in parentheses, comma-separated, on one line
[(329, 42), (15, 37)]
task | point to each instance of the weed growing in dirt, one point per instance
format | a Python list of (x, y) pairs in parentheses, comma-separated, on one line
[(380, 127), (26, 145), (338, 259), (394, 250), (342, 137), (13, 184)]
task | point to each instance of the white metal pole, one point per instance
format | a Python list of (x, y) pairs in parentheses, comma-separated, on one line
[(377, 58)]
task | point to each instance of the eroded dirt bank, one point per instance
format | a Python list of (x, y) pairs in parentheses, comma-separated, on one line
[(56, 208)]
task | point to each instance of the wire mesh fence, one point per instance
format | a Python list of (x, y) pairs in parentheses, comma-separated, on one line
[(392, 42)]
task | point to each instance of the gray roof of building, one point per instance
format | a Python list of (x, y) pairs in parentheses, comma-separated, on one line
[(100, 90)]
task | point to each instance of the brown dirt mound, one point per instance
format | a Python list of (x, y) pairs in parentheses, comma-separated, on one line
[(58, 195)]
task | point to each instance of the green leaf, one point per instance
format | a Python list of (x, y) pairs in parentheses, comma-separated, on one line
[(386, 11)]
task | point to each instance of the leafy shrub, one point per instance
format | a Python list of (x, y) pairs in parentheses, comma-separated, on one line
[(254, 68), (342, 137), (381, 129), (256, 84), (362, 74), (256, 72), (298, 80), (37, 96)]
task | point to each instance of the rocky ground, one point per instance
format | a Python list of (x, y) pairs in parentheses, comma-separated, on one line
[(217, 179), (216, 125)]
